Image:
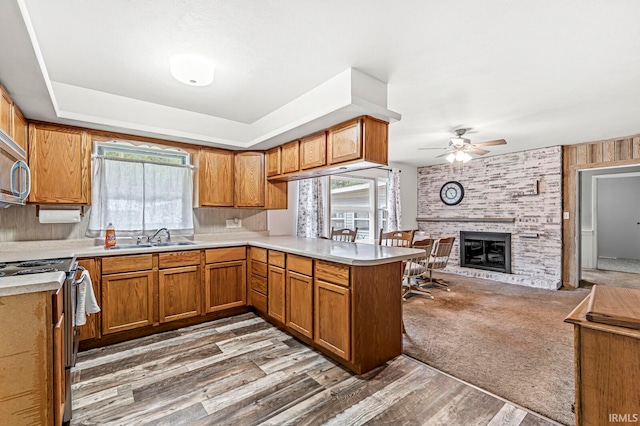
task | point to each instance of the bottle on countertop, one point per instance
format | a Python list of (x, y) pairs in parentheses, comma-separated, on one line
[(110, 236)]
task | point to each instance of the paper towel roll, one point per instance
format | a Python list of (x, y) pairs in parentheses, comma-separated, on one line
[(59, 216)]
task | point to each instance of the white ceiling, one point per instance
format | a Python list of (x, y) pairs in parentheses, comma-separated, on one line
[(534, 73)]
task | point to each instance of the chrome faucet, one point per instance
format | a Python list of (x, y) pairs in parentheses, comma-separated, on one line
[(156, 234)]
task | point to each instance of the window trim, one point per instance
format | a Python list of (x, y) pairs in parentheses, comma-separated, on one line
[(100, 149)]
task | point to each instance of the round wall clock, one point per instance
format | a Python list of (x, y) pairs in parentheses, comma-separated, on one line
[(451, 193)]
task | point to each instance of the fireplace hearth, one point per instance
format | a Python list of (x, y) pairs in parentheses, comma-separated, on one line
[(486, 250)]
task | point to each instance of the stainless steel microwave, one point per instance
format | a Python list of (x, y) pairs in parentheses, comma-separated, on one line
[(15, 176)]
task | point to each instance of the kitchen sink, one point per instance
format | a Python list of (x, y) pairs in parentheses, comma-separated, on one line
[(137, 246)]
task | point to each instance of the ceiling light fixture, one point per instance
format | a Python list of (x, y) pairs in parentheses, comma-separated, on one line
[(459, 156), (191, 69)]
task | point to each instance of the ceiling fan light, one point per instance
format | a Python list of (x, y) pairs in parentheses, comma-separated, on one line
[(451, 157), (460, 155), (192, 70), (466, 157)]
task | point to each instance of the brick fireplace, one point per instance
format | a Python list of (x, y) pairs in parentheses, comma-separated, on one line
[(518, 194)]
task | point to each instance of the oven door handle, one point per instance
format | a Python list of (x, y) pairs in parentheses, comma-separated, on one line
[(80, 280)]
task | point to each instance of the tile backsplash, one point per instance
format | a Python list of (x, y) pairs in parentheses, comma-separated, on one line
[(19, 223)]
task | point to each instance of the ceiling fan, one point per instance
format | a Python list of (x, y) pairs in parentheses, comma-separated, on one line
[(461, 148)]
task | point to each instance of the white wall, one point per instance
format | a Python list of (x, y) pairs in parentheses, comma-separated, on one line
[(283, 222)]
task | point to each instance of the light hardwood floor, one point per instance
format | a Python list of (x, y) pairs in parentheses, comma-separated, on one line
[(242, 371)]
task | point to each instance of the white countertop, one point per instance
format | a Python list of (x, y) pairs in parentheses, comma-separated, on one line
[(10, 286), (355, 254)]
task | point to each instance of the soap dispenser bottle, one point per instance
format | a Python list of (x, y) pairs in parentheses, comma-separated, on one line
[(110, 236)]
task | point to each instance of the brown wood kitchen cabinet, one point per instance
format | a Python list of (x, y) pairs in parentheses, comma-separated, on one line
[(332, 298), (5, 111), (179, 285), (91, 330), (32, 352), (225, 278), (215, 178), (313, 151), (299, 295), (20, 128), (249, 179), (258, 271), (363, 138), (276, 286), (273, 161), (291, 157), (60, 162), (128, 292), (12, 122)]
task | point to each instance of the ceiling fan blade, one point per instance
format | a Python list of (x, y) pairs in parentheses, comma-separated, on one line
[(491, 143), (477, 151), (443, 155), (421, 149)]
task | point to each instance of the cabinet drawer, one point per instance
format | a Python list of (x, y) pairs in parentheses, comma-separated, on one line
[(332, 272), (179, 258), (117, 264), (259, 254), (57, 305), (276, 258), (259, 301), (258, 284), (259, 268), (299, 264), (226, 254)]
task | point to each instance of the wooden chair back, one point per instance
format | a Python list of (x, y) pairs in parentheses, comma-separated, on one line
[(396, 238), (344, 234), (441, 253)]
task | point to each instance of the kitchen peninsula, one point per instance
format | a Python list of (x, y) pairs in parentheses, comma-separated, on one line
[(340, 298)]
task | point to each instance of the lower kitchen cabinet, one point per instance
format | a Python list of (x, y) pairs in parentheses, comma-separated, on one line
[(225, 285), (59, 388), (179, 292), (91, 330), (276, 293), (127, 301), (300, 303), (332, 328)]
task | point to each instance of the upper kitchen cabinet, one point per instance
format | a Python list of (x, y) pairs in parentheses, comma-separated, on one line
[(358, 144), (215, 183), (249, 179), (273, 161), (60, 162), (19, 129), (5, 111), (362, 139), (313, 151)]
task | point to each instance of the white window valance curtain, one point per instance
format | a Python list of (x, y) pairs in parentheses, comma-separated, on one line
[(311, 205), (394, 221), (140, 197)]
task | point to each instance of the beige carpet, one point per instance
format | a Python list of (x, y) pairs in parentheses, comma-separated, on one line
[(507, 339)]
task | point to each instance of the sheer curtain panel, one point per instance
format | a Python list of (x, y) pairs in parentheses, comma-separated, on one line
[(394, 221), (311, 205)]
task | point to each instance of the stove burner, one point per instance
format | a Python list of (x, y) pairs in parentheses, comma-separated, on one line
[(3, 265), (32, 263), (35, 271)]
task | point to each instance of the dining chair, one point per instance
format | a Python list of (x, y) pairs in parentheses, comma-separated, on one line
[(344, 234), (415, 270), (438, 260), (396, 238)]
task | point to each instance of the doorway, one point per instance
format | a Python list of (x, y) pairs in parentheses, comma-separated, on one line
[(609, 226)]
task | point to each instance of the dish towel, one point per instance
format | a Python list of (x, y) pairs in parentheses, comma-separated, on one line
[(86, 299)]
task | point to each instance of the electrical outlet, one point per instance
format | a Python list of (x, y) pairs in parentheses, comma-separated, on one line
[(234, 223), (565, 215)]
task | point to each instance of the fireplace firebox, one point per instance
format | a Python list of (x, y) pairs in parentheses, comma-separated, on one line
[(486, 250)]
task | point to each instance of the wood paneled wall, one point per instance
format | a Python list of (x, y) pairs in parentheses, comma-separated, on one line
[(590, 155)]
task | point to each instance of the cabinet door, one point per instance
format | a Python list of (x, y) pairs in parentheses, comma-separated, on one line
[(179, 291), (332, 318), (273, 162), (250, 179), (59, 388), (300, 303), (277, 195), (290, 157), (19, 129), (91, 330), (225, 285), (345, 142), (60, 160), (127, 301), (5, 111), (215, 178), (275, 293), (313, 151)]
